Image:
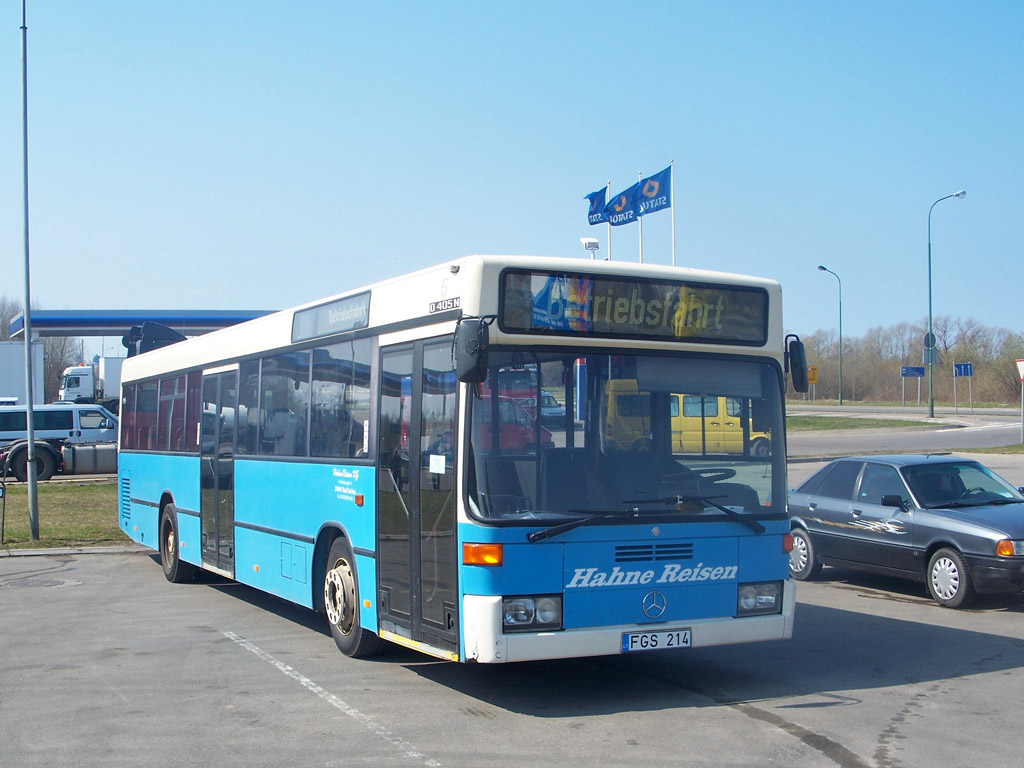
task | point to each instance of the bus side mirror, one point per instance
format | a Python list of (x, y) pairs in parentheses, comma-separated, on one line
[(797, 364), (471, 342)]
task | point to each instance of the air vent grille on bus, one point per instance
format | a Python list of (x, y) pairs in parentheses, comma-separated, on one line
[(642, 553), (126, 499)]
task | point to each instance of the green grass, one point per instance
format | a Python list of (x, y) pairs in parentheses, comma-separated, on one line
[(804, 423), (1016, 449), (70, 515)]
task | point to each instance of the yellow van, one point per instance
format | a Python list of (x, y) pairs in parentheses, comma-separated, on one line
[(700, 424)]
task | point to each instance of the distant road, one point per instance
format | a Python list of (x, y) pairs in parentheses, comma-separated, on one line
[(948, 431)]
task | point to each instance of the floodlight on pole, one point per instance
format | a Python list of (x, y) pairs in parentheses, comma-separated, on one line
[(929, 339), (592, 245)]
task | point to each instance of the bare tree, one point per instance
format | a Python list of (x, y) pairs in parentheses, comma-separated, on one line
[(59, 352), (8, 309)]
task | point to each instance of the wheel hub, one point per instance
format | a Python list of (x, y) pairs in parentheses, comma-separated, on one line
[(945, 578), (339, 596)]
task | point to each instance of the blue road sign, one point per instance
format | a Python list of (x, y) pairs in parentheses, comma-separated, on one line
[(963, 369), (912, 371)]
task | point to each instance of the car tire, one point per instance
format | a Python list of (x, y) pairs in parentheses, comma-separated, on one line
[(341, 603), (949, 580), (760, 448), (803, 565)]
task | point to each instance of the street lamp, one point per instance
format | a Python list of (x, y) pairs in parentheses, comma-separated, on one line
[(929, 339), (826, 269)]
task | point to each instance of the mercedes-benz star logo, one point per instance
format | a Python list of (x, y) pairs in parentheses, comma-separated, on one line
[(654, 604)]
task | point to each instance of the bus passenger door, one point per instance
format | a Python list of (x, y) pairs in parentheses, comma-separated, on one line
[(416, 547), (217, 470)]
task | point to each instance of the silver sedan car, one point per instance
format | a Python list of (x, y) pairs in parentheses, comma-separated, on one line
[(943, 520)]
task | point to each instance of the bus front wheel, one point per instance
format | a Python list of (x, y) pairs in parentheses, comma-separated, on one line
[(341, 603), (175, 569)]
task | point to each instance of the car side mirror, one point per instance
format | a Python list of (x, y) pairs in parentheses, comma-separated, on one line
[(895, 500), (472, 338)]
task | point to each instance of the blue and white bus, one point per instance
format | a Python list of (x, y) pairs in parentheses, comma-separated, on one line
[(367, 456)]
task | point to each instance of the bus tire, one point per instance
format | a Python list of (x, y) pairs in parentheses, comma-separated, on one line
[(45, 465), (760, 448), (341, 603), (176, 570)]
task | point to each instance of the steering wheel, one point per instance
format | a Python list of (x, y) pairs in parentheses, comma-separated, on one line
[(970, 491)]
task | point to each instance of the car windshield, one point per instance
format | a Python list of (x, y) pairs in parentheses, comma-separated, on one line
[(966, 483), (662, 435)]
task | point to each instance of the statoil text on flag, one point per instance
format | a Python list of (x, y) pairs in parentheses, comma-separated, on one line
[(655, 192), (596, 213), (624, 207)]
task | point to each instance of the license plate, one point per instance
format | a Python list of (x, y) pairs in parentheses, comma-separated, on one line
[(653, 641)]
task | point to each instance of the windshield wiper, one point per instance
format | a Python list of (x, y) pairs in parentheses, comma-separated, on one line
[(747, 520), (1006, 501), (554, 530)]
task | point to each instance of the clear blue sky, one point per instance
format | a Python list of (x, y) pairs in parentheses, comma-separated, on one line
[(256, 155)]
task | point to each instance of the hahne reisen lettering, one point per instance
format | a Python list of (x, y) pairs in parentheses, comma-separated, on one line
[(671, 573)]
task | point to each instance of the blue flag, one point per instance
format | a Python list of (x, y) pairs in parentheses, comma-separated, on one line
[(624, 207), (655, 192), (596, 213)]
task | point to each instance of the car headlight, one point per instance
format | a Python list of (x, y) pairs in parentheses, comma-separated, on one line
[(531, 614), (1009, 548), (756, 599)]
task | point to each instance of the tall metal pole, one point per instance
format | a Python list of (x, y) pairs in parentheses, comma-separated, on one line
[(826, 269), (640, 221), (33, 502), (929, 343)]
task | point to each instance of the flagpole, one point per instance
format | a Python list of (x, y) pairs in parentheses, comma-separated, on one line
[(640, 220), (608, 191), (672, 189)]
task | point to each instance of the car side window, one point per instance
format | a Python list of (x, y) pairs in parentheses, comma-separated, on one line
[(839, 483), (879, 480)]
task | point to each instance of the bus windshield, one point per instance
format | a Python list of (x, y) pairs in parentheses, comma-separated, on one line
[(604, 433)]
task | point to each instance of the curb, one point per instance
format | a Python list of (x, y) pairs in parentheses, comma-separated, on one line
[(63, 551)]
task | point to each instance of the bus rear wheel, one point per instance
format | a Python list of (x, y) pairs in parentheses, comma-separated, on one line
[(175, 569), (341, 603)]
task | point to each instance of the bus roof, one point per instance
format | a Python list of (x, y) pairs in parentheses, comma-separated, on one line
[(436, 294)]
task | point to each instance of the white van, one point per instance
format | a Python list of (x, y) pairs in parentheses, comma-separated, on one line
[(62, 422)]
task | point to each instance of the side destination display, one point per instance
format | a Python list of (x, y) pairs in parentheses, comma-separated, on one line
[(348, 314), (586, 305)]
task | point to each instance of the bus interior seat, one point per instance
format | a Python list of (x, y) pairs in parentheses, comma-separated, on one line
[(633, 475), (502, 488), (733, 495), (564, 481)]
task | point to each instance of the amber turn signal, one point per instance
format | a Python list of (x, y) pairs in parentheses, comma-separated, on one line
[(481, 554)]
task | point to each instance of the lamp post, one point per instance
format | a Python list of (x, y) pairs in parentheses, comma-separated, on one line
[(929, 339), (826, 269)]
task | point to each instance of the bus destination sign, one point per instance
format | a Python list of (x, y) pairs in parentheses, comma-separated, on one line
[(637, 308), (348, 314)]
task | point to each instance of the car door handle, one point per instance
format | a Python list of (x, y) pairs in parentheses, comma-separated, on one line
[(856, 512), (813, 505)]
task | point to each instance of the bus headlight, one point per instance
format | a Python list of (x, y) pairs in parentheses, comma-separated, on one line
[(531, 614), (755, 599)]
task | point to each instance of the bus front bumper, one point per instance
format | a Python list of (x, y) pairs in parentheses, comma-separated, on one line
[(485, 643)]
